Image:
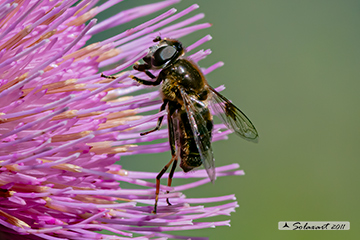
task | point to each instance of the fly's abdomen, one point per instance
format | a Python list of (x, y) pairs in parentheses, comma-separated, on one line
[(189, 155), (189, 152)]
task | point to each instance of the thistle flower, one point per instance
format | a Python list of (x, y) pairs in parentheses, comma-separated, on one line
[(63, 127)]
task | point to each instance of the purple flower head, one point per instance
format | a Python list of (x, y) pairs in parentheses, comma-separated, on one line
[(63, 126)]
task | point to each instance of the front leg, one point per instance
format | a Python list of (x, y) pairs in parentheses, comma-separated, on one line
[(147, 82), (158, 125), (144, 68), (107, 76)]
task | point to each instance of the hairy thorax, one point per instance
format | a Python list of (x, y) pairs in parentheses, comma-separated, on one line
[(186, 75)]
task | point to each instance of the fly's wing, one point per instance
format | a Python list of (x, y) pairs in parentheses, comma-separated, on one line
[(201, 134), (232, 116)]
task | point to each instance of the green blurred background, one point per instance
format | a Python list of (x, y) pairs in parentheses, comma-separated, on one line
[(293, 68)]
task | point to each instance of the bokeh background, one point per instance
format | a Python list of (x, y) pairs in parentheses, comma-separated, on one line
[(293, 67)]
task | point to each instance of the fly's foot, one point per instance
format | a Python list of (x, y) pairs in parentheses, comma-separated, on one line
[(107, 76)]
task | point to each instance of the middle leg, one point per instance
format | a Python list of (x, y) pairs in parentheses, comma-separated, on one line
[(158, 126)]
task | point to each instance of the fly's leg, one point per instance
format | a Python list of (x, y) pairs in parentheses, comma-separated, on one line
[(146, 82), (153, 83), (171, 110), (144, 68), (139, 80), (108, 77), (158, 125), (158, 177), (171, 176), (150, 75)]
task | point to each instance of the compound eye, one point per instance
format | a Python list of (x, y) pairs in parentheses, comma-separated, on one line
[(162, 55)]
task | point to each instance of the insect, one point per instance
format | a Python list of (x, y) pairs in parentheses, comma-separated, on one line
[(187, 96)]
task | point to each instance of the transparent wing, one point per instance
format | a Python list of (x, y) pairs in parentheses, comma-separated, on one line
[(232, 116), (202, 136)]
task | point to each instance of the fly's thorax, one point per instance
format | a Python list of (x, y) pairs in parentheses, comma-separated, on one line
[(170, 89), (186, 75)]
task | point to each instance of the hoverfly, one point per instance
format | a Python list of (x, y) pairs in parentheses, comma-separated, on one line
[(187, 96)]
